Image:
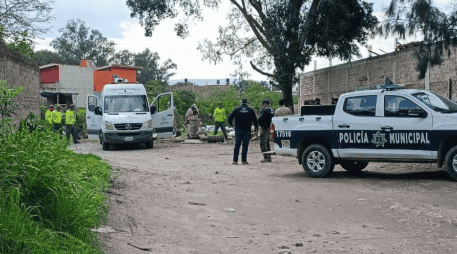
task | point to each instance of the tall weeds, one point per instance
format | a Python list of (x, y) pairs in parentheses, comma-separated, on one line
[(50, 197)]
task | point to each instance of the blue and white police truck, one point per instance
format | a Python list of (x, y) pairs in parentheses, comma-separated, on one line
[(389, 124)]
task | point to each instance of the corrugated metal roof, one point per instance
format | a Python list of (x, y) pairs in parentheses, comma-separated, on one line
[(118, 65), (48, 65)]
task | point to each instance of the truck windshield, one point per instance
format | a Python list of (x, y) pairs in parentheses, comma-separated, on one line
[(126, 103), (437, 102)]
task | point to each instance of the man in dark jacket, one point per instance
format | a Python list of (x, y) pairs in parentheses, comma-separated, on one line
[(244, 118), (264, 120)]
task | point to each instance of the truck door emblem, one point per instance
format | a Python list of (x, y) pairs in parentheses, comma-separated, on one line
[(163, 118), (128, 126), (379, 139)]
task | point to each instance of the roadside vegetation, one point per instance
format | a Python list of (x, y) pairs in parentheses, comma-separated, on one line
[(50, 196)]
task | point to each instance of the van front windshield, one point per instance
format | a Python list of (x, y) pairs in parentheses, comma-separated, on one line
[(125, 103)]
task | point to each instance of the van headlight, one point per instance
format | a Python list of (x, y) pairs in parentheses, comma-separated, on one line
[(147, 125), (108, 126)]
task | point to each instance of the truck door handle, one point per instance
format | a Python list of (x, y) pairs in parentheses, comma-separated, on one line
[(387, 128), (88, 117), (170, 115), (344, 126)]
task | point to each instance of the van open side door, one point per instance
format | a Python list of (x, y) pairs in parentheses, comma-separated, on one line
[(163, 115), (93, 115)]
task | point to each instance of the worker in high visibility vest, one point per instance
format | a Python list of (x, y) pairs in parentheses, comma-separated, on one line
[(70, 123), (49, 113), (57, 119)]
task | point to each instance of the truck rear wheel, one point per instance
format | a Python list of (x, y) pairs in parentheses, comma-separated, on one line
[(317, 161), (451, 163), (353, 166)]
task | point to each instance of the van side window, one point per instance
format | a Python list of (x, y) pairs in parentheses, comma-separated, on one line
[(163, 102), (397, 106), (361, 105), (92, 103)]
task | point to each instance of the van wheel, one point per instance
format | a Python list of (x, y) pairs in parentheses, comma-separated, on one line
[(105, 145), (317, 161), (451, 163), (353, 166), (150, 144)]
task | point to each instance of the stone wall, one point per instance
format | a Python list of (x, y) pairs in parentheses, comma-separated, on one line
[(17, 71), (203, 91), (399, 66)]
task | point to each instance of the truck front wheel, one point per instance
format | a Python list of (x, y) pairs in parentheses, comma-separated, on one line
[(353, 166), (451, 163), (150, 144), (105, 145), (317, 161)]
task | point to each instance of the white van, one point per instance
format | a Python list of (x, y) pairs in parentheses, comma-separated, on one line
[(121, 114)]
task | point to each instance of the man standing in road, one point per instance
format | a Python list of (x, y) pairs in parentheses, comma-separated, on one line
[(49, 113), (264, 122), (244, 118), (70, 123), (219, 120), (282, 110)]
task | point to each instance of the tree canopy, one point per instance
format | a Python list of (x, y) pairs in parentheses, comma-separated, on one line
[(278, 37), (152, 70), (422, 17), (75, 42)]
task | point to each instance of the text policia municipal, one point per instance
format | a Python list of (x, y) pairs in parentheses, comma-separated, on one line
[(394, 138)]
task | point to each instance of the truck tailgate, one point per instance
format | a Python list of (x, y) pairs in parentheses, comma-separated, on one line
[(290, 130)]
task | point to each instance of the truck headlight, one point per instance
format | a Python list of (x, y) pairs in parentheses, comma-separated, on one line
[(108, 126), (147, 125)]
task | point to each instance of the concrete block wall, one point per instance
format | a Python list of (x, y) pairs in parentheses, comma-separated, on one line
[(17, 71), (399, 66), (76, 79)]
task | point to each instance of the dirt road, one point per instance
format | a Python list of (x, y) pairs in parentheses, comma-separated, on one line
[(189, 198)]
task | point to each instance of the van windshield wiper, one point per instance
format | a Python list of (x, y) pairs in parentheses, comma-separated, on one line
[(113, 113), (141, 113)]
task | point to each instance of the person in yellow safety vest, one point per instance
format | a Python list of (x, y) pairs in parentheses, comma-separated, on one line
[(70, 123), (49, 113), (219, 120), (57, 119)]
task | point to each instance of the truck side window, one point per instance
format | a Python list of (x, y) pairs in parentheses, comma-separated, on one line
[(361, 105), (397, 106)]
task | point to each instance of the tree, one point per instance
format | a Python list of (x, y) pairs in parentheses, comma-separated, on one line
[(150, 63), (20, 18), (154, 87), (43, 57), (280, 36), (75, 43), (22, 43), (422, 17), (7, 105)]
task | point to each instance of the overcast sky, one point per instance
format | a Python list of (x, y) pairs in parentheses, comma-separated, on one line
[(112, 19)]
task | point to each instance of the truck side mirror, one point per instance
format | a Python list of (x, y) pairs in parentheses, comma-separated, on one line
[(153, 109), (98, 111), (417, 113)]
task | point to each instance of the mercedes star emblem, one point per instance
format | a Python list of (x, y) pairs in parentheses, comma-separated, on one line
[(128, 126)]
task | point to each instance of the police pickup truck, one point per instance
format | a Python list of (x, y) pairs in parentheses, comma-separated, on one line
[(389, 124)]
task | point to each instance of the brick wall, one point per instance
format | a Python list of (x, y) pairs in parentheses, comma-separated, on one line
[(203, 91), (18, 71), (399, 66)]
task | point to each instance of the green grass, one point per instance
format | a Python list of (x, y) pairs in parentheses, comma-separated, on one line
[(50, 197)]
